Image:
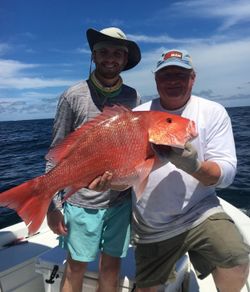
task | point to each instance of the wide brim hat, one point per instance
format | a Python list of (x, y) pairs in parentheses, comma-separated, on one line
[(116, 36)]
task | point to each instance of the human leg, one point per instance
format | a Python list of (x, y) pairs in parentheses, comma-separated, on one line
[(214, 246), (114, 245), (155, 262), (232, 279), (218, 248), (109, 268), (72, 280), (82, 243)]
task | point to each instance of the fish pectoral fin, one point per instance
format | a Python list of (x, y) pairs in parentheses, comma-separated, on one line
[(139, 188), (143, 170)]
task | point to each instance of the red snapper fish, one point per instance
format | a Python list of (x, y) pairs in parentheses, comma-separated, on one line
[(118, 140)]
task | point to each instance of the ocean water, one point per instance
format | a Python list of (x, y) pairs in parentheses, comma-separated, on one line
[(23, 145)]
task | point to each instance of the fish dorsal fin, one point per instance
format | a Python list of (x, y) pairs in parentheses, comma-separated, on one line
[(111, 110), (61, 150)]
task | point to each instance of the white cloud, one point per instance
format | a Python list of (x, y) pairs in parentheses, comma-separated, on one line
[(222, 67), (13, 77), (36, 94), (222, 70), (82, 51), (162, 39), (25, 83), (230, 12), (9, 68), (29, 105)]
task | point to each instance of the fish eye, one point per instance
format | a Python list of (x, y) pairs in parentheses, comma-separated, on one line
[(169, 120)]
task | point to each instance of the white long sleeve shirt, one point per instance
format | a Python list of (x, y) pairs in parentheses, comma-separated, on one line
[(174, 201)]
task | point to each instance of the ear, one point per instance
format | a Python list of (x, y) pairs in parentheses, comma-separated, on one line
[(125, 59), (193, 76), (93, 56)]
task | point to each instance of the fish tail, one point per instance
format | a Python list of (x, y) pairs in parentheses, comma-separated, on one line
[(30, 200)]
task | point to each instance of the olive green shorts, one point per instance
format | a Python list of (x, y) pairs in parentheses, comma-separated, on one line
[(214, 243)]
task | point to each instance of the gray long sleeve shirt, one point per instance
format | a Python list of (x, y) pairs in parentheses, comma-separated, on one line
[(77, 105)]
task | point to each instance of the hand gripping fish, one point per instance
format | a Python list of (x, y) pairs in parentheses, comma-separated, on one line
[(118, 141)]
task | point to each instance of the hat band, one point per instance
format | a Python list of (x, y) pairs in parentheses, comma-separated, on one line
[(106, 44)]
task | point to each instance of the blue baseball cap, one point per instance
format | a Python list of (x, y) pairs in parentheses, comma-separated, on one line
[(174, 57)]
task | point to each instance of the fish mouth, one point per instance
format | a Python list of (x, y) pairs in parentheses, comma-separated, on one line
[(175, 142)]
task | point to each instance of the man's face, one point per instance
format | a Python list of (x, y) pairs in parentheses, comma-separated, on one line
[(110, 61), (174, 85)]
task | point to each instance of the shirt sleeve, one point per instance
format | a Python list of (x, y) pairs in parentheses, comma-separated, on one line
[(63, 125), (221, 147)]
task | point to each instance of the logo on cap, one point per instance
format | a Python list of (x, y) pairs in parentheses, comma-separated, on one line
[(172, 54)]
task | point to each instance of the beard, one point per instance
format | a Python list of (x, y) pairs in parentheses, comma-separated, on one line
[(108, 73)]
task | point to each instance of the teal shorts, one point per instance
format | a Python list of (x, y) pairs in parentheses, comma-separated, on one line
[(94, 230)]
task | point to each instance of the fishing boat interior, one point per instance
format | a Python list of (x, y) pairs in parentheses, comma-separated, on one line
[(36, 263)]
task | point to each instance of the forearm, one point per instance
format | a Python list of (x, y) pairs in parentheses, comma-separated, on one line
[(208, 174)]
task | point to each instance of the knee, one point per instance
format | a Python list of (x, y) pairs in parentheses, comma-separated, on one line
[(109, 269), (75, 267), (242, 271), (237, 275), (109, 264)]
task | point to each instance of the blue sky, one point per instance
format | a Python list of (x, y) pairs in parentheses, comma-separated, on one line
[(43, 47)]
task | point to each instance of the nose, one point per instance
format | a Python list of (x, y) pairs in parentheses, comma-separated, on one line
[(109, 56), (172, 79)]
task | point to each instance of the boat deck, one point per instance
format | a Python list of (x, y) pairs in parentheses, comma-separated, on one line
[(29, 264)]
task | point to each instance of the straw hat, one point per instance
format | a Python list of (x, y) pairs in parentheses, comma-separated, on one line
[(117, 37)]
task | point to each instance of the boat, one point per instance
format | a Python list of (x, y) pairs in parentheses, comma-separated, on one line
[(36, 263)]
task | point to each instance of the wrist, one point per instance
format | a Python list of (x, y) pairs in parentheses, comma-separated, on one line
[(52, 209), (191, 168), (197, 166), (208, 174)]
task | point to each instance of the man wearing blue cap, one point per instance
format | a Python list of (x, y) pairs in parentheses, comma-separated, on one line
[(179, 211)]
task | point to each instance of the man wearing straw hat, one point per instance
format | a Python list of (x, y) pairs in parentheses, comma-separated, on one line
[(95, 220)]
